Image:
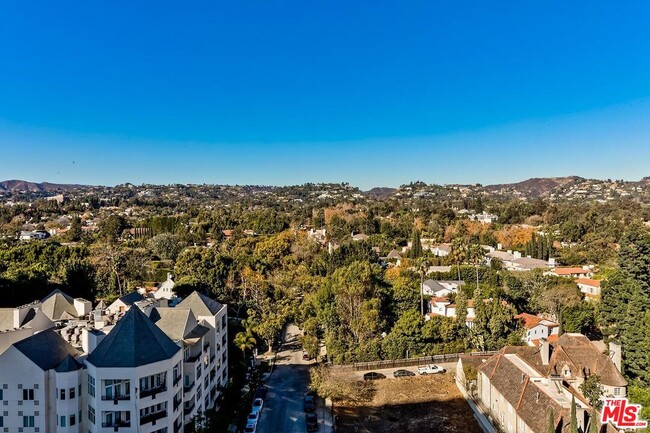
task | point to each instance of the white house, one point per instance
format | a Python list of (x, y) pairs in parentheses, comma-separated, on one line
[(537, 328), (444, 307), (166, 291), (591, 288), (440, 288), (33, 235), (124, 303)]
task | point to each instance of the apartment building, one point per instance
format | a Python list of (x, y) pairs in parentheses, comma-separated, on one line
[(150, 371)]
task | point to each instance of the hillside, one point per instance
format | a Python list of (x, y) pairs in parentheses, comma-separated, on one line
[(536, 187), (22, 185)]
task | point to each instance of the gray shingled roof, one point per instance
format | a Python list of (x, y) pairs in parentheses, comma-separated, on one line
[(56, 304), (68, 364), (46, 349), (132, 298), (133, 342), (175, 322), (200, 305)]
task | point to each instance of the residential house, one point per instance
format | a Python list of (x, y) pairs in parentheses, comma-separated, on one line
[(442, 306), (591, 288), (441, 250), (484, 217), (520, 386), (572, 272), (19, 323), (359, 237), (58, 306), (125, 302), (166, 291), (537, 328), (440, 288)]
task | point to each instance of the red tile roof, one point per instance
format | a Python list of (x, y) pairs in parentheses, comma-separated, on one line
[(571, 271), (588, 282)]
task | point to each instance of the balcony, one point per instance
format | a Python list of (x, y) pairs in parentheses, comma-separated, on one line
[(153, 417), (177, 403), (153, 391), (212, 358), (116, 424), (188, 388), (176, 380), (188, 407), (116, 398), (193, 359)]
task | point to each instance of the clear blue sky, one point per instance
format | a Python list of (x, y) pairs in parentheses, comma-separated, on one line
[(374, 93)]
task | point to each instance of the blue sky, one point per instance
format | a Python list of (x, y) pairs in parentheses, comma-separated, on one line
[(374, 93)]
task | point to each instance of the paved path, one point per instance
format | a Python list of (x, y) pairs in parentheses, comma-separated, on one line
[(287, 386)]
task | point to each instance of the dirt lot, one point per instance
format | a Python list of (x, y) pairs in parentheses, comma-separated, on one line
[(419, 404)]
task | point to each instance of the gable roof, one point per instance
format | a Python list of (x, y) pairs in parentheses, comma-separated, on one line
[(200, 305), (46, 349), (571, 270), (176, 323), (131, 298), (588, 282), (68, 364), (59, 306), (134, 341)]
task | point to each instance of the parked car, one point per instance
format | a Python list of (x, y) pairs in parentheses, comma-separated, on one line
[(305, 356), (251, 427), (431, 369), (373, 375), (253, 417), (258, 404), (403, 373), (312, 422), (309, 404)]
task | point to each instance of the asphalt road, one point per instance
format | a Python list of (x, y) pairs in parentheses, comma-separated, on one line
[(287, 386)]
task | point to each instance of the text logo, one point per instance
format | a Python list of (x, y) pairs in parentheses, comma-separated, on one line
[(622, 414)]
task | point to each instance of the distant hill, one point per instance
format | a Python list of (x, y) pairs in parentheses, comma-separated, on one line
[(537, 186), (381, 191), (22, 185)]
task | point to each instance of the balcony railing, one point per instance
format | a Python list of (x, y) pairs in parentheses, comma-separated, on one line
[(193, 358), (176, 380), (153, 391), (116, 398), (177, 403), (116, 424), (188, 408), (153, 417), (188, 388)]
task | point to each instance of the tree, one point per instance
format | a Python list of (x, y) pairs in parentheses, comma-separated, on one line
[(245, 340), (74, 232), (416, 245), (405, 338), (111, 227), (573, 426), (461, 310), (422, 264), (551, 422), (166, 246), (593, 422), (557, 299), (592, 390), (476, 256)]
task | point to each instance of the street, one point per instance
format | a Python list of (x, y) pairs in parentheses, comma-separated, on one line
[(287, 386)]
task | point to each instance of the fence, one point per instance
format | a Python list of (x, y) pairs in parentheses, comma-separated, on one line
[(410, 362)]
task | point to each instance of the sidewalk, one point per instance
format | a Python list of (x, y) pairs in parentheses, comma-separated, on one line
[(325, 415)]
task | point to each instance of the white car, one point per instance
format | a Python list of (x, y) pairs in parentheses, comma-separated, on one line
[(258, 404), (253, 417), (251, 427), (431, 369)]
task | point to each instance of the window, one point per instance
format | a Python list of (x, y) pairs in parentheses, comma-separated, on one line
[(91, 386), (28, 394), (1, 395), (2, 421), (116, 389), (617, 391), (91, 414), (62, 417), (28, 421), (186, 353), (155, 381), (62, 394), (72, 390), (73, 420)]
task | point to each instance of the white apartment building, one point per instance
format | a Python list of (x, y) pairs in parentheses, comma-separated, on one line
[(140, 374)]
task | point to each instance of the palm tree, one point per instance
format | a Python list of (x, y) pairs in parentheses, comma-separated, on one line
[(245, 340), (476, 256), (422, 265), (458, 253)]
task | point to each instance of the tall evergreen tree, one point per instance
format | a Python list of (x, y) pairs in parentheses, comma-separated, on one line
[(573, 426), (551, 422), (593, 422), (416, 245)]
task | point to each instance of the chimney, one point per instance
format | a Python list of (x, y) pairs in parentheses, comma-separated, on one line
[(516, 255), (615, 353), (499, 246), (544, 351), (551, 261), (169, 276), (90, 339)]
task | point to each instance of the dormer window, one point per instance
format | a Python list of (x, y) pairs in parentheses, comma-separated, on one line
[(567, 371)]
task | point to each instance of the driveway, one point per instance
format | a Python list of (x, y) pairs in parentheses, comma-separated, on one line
[(287, 386)]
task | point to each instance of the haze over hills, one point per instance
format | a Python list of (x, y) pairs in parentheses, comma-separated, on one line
[(533, 187)]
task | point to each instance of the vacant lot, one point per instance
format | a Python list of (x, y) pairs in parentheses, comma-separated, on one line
[(419, 404)]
